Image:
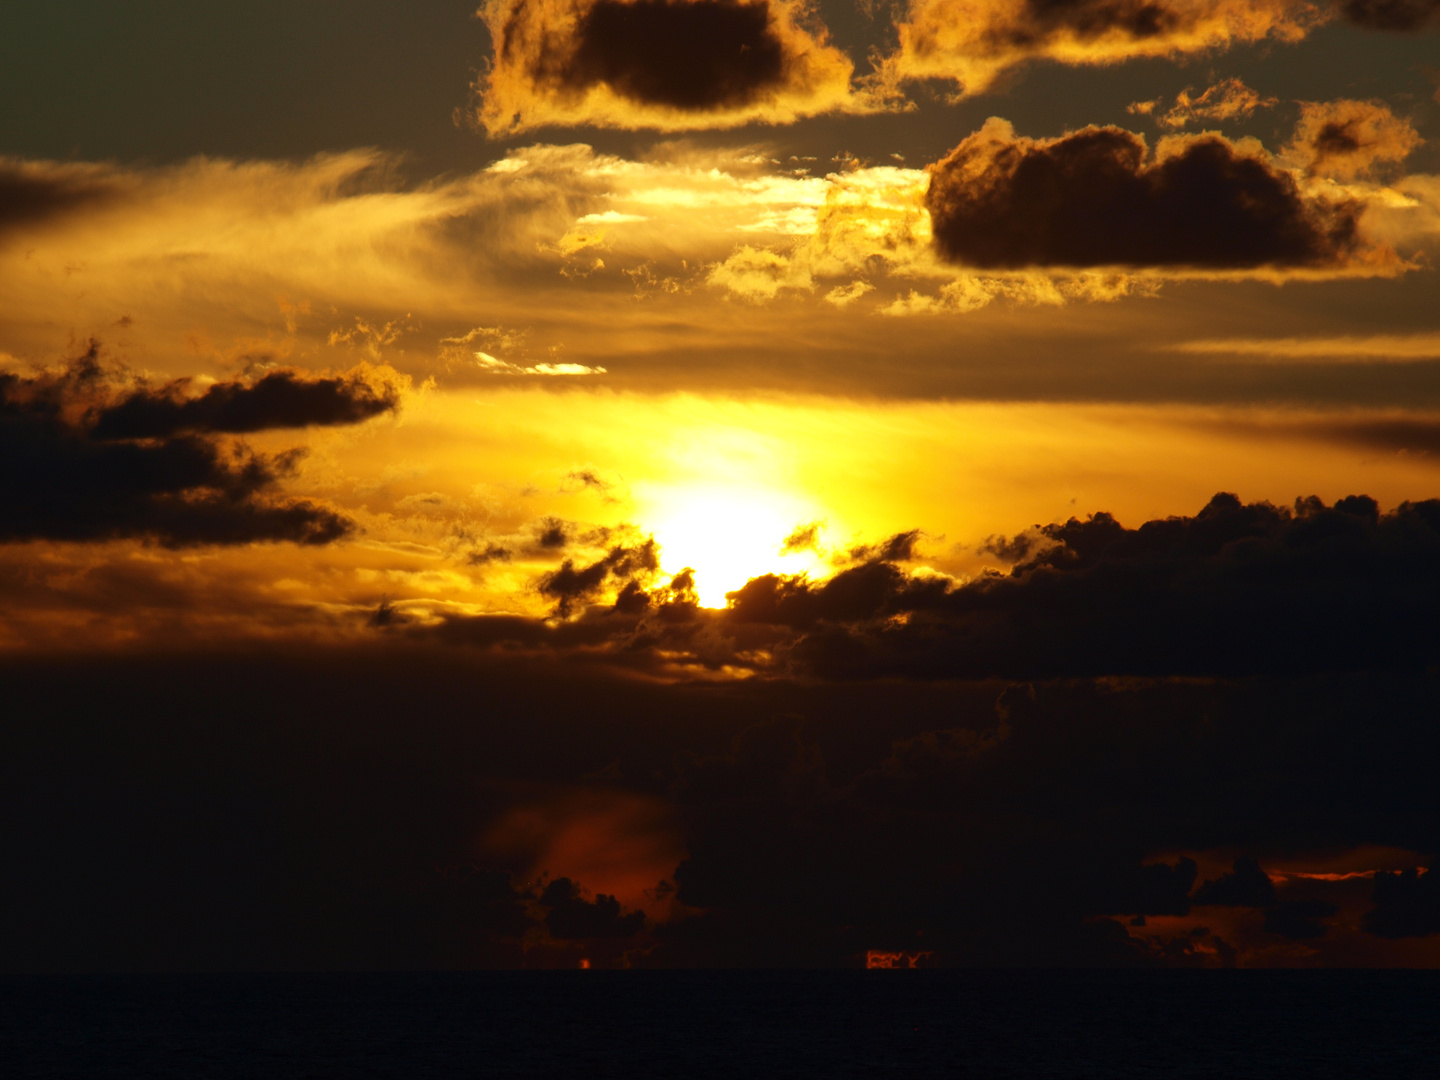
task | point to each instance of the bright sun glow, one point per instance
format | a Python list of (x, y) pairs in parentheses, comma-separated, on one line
[(729, 535)]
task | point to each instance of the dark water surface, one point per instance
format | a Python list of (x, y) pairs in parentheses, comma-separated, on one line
[(731, 1024)]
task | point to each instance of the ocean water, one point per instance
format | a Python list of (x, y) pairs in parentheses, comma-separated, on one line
[(751, 1024)]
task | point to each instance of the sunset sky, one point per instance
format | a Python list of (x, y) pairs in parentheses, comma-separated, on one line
[(719, 482)]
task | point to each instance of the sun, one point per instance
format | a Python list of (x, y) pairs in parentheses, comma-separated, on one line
[(728, 535)]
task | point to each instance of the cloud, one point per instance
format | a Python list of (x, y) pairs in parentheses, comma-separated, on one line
[(1228, 99), (973, 42), (1091, 198), (1299, 920), (1407, 904), (1376, 349), (1228, 592), (571, 917), (1347, 139), (665, 64), (1245, 886), (32, 193), (571, 584), (278, 399), (1403, 16), (804, 537), (88, 463), (493, 366)]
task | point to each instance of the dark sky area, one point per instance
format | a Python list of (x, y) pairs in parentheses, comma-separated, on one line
[(719, 483)]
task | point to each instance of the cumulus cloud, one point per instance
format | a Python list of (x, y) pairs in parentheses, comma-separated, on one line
[(1096, 197), (1347, 139), (665, 64), (94, 459)]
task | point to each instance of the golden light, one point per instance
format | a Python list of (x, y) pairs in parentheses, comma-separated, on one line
[(727, 535)]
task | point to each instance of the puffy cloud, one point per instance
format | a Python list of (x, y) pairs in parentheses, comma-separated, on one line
[(88, 463), (666, 64), (1347, 139), (1096, 198)]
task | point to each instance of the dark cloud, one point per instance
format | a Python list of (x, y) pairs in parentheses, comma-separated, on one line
[(1397, 15), (687, 54), (1299, 920), (1237, 589), (803, 538), (570, 583), (572, 917), (491, 552), (68, 478), (1407, 905), (897, 548), (1040, 20), (1155, 889), (32, 193), (279, 399), (657, 63), (1094, 198), (326, 811), (1245, 886)]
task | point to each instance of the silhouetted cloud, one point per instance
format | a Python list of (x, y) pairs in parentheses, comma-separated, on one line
[(573, 917), (85, 468), (1236, 589), (803, 538), (1407, 904), (278, 399), (570, 584), (1096, 198), (669, 64), (973, 42), (1299, 920), (1245, 886)]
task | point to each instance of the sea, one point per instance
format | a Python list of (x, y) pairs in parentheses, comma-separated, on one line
[(750, 1025)]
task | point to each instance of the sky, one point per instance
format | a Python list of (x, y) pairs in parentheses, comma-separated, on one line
[(706, 483)]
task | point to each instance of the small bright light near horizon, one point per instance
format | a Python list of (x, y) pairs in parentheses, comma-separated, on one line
[(728, 536)]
